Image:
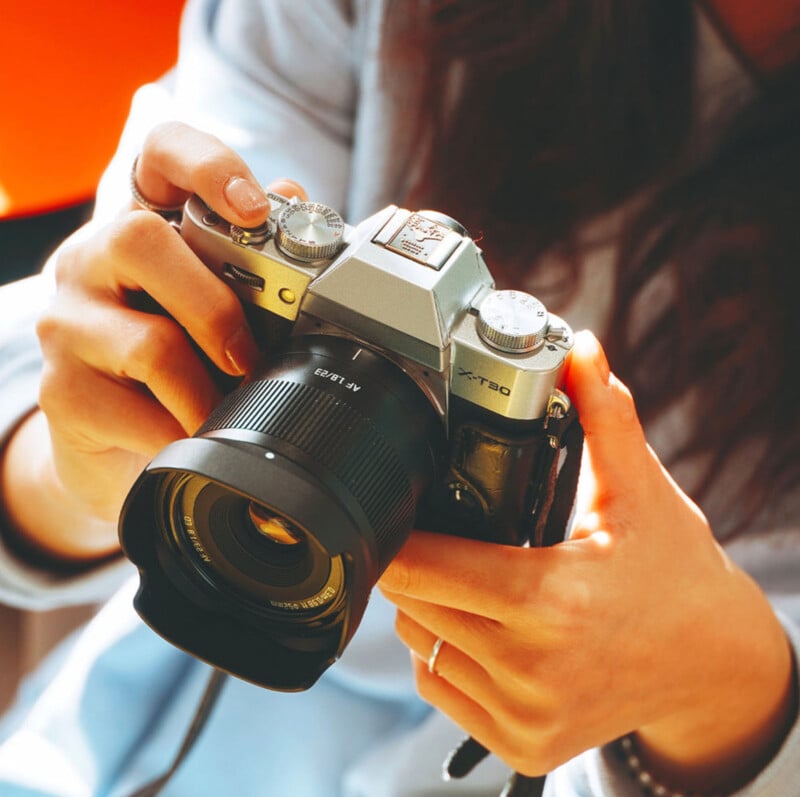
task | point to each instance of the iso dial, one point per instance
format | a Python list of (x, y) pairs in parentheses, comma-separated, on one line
[(309, 231), (512, 321)]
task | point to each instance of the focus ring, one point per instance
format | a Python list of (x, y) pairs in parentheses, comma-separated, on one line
[(338, 437)]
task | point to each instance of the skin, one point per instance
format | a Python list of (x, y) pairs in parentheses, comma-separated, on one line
[(119, 384), (638, 622)]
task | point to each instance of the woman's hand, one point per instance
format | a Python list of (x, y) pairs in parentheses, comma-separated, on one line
[(119, 383), (638, 622)]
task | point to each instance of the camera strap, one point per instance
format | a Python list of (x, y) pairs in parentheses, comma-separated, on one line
[(551, 512), (203, 711), (553, 506)]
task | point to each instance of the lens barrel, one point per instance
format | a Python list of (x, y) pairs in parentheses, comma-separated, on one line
[(331, 446)]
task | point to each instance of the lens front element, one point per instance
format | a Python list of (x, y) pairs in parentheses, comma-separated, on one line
[(270, 565), (272, 526)]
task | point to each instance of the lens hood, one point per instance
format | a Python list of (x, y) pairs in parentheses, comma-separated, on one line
[(346, 467), (212, 624)]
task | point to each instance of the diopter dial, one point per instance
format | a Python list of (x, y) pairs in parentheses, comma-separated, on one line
[(512, 321), (309, 231)]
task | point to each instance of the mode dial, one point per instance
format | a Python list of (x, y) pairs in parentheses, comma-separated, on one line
[(309, 231), (512, 321)]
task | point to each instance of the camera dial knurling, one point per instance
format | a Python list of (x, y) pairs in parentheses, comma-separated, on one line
[(251, 236), (512, 321), (309, 231)]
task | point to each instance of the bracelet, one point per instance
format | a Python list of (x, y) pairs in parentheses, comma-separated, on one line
[(649, 784)]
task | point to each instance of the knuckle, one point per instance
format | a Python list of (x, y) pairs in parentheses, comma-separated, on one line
[(576, 602), (126, 244), (518, 589), (399, 577), (134, 233), (426, 686), (523, 754), (48, 330), (152, 350), (57, 396), (537, 749), (221, 311), (520, 668), (552, 746), (214, 165), (161, 136), (48, 393), (65, 264), (401, 627), (80, 261)]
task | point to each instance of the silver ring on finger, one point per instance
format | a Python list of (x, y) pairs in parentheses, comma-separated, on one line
[(437, 647), (167, 211)]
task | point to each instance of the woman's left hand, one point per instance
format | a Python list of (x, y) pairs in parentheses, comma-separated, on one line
[(639, 622)]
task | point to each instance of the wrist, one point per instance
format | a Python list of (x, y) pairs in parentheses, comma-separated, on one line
[(743, 705), (44, 519)]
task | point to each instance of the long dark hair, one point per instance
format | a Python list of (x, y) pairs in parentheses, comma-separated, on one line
[(567, 109)]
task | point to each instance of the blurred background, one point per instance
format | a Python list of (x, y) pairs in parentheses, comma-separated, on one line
[(69, 71)]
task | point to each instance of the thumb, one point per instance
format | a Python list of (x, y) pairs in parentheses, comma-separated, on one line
[(615, 442)]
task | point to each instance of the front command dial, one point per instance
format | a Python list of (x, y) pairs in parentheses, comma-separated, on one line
[(309, 231)]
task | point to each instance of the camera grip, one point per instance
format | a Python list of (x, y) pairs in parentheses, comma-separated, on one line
[(546, 508), (510, 487)]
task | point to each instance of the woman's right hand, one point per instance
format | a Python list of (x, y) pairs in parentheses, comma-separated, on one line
[(118, 383)]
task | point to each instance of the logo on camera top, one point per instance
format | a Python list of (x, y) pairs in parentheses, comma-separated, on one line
[(424, 240)]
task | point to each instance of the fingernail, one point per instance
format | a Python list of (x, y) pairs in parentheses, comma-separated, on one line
[(245, 196), (241, 351)]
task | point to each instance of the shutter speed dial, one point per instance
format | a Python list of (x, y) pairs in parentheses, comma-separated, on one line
[(512, 321), (309, 231)]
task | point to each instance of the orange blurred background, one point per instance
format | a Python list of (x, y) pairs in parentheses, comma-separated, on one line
[(69, 71)]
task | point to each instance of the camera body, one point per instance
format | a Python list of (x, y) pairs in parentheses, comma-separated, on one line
[(399, 389)]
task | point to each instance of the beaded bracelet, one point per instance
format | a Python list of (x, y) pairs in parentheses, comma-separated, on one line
[(644, 778)]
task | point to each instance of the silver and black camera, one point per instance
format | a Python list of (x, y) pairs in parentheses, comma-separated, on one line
[(398, 390)]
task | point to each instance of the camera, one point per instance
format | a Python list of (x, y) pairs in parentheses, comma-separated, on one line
[(398, 389)]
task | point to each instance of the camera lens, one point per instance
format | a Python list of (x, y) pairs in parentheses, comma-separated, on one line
[(273, 523), (359, 426)]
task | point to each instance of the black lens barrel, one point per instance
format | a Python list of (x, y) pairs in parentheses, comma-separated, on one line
[(349, 414), (332, 436)]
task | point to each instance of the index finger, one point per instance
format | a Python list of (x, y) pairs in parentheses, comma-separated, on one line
[(470, 575), (177, 160)]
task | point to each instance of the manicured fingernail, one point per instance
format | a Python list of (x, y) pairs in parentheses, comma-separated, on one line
[(241, 351), (245, 196)]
